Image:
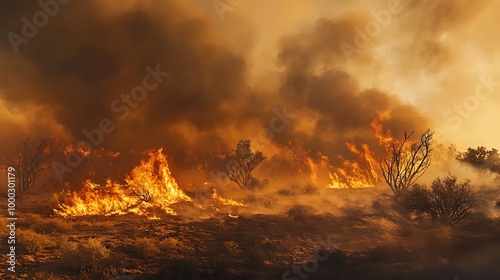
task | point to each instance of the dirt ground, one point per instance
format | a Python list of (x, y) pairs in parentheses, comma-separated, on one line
[(360, 244)]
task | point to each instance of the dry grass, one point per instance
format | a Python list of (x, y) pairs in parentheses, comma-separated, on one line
[(146, 247), (47, 225), (45, 276), (32, 241), (90, 257), (174, 248)]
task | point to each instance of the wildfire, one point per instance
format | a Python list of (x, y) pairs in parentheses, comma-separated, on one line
[(150, 184), (351, 174), (384, 138), (361, 172), (81, 149), (225, 201)]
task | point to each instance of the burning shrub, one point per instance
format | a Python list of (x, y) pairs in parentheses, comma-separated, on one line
[(146, 247), (446, 202), (150, 184), (88, 257), (34, 242)]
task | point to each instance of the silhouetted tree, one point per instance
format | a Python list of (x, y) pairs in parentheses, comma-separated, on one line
[(238, 165), (447, 201), (30, 162), (481, 158), (407, 161)]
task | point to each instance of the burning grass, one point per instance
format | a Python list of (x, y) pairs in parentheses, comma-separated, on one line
[(148, 185)]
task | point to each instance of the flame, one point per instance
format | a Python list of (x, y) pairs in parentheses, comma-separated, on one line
[(384, 138), (81, 149), (314, 170), (150, 184), (351, 174), (361, 172), (225, 201)]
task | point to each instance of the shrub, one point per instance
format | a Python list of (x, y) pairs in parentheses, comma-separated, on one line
[(232, 247), (89, 256), (253, 249), (33, 242), (52, 225), (46, 225), (146, 247), (299, 212), (447, 201), (173, 247)]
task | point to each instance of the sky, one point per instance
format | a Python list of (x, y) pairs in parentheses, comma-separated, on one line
[(207, 74)]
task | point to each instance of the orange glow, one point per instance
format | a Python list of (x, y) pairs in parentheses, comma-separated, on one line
[(225, 201), (150, 184), (82, 150), (351, 174), (384, 138), (362, 171)]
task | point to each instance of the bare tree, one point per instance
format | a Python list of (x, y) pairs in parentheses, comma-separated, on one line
[(30, 163), (446, 202), (240, 163), (407, 161)]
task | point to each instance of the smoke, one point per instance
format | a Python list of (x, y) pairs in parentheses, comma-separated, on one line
[(221, 85)]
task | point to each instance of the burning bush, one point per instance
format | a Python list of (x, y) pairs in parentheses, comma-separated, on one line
[(447, 201), (148, 185)]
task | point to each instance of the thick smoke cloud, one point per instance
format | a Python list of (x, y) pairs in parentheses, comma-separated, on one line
[(90, 54), (84, 59), (318, 83)]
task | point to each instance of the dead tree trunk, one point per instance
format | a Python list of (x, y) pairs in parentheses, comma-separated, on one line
[(30, 163)]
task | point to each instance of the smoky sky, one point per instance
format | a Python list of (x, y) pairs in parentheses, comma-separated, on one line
[(90, 54)]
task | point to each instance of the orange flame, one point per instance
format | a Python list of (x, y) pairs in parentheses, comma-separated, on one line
[(361, 172), (81, 149), (150, 184), (351, 174), (384, 138), (225, 201)]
